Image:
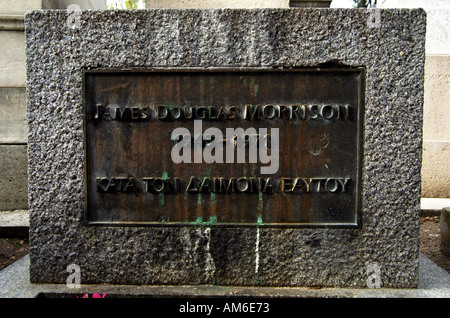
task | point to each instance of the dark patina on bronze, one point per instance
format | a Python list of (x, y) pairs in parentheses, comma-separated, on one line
[(131, 178)]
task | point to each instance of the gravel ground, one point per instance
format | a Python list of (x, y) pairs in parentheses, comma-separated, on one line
[(12, 249)]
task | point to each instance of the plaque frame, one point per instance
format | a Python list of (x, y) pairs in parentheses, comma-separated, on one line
[(359, 137)]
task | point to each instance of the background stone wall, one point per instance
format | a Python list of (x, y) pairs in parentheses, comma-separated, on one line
[(13, 126), (13, 119), (436, 128), (216, 4)]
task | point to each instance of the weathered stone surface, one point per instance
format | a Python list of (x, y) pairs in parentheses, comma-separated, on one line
[(392, 52), (13, 123), (13, 149), (12, 59), (20, 6), (434, 282), (436, 169), (436, 131), (13, 177)]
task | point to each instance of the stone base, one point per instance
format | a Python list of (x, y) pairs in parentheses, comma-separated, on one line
[(434, 282), (14, 223)]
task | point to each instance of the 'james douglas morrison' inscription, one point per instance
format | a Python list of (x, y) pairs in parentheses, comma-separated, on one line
[(132, 179)]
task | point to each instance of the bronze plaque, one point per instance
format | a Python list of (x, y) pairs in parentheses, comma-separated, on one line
[(185, 147)]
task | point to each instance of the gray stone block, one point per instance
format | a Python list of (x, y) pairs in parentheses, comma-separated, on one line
[(12, 58), (389, 47), (13, 122), (13, 177)]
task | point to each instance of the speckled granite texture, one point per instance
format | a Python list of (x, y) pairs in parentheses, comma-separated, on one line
[(389, 44)]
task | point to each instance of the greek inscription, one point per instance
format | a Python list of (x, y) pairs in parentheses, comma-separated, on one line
[(195, 184)]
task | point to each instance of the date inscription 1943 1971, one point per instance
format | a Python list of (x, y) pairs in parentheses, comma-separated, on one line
[(223, 147)]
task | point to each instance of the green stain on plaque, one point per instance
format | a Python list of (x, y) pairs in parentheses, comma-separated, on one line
[(255, 89), (260, 221), (199, 220), (212, 220), (213, 198), (260, 208), (161, 200), (260, 202)]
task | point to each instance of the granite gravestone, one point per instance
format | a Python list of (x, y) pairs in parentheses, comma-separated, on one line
[(112, 190)]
